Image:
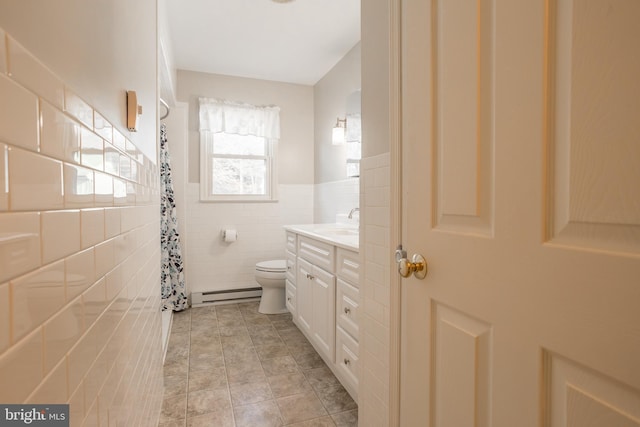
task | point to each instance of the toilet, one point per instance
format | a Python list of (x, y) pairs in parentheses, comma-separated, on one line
[(271, 276)]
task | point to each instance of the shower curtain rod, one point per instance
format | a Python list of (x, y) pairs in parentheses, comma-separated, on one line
[(162, 101)]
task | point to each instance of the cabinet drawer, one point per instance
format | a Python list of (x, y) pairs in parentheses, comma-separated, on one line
[(347, 360), (347, 304), (291, 266), (348, 266), (290, 289), (291, 244), (317, 253)]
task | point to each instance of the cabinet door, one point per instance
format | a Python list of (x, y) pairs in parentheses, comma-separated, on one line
[(347, 361), (304, 295), (291, 293), (347, 307), (291, 267), (323, 285)]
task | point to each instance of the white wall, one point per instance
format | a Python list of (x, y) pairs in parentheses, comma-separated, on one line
[(335, 197), (295, 148), (80, 256), (334, 193), (212, 264), (375, 216), (100, 48), (375, 77), (330, 102)]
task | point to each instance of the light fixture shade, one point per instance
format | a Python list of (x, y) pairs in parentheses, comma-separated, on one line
[(338, 136)]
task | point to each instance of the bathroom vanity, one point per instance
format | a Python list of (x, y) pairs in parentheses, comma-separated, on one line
[(322, 292)]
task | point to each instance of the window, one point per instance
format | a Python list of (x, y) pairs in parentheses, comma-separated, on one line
[(237, 151)]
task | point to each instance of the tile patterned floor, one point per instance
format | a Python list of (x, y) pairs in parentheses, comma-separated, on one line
[(229, 365)]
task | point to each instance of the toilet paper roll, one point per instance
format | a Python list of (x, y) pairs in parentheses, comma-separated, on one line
[(230, 235)]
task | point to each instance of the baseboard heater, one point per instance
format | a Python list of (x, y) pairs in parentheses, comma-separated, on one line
[(225, 296)]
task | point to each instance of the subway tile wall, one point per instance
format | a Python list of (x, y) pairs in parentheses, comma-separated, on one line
[(212, 264), (336, 197), (375, 291), (79, 254)]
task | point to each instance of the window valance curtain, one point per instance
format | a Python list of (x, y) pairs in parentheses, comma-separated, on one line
[(241, 119)]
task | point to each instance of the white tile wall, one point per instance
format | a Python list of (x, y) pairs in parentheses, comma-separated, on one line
[(79, 254), (102, 127), (212, 264), (80, 272), (28, 71), (35, 297), (19, 243), (21, 366), (78, 186), (374, 291), (35, 181), (60, 234), (59, 134), (92, 226), (18, 115), (337, 197)]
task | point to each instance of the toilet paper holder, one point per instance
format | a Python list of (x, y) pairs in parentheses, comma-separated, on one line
[(229, 235)]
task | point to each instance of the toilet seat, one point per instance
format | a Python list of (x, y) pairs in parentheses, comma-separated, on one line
[(273, 266)]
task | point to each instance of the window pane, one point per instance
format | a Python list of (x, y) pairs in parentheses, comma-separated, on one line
[(224, 143), (239, 176)]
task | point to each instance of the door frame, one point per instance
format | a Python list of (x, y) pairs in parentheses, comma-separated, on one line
[(395, 207)]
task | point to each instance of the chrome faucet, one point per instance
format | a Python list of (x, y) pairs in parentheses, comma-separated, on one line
[(352, 212)]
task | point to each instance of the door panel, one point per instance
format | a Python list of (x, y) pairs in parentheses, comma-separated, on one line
[(462, 365), (578, 396), (520, 172), (593, 101), (463, 117)]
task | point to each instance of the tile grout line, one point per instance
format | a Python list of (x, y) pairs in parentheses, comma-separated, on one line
[(255, 327)]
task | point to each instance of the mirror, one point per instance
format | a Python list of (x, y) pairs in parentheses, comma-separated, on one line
[(353, 137)]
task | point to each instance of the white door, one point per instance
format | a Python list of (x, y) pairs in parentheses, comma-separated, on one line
[(521, 188)]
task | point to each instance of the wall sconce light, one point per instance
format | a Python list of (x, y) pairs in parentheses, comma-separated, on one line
[(133, 111), (339, 132)]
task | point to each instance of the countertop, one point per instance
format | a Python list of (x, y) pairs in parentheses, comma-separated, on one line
[(344, 236)]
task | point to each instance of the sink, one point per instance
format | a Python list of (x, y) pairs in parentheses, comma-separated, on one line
[(339, 234), (337, 231)]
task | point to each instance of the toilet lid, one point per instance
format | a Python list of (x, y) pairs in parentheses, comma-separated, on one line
[(276, 265)]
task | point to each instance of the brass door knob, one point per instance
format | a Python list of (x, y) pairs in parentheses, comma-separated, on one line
[(417, 266)]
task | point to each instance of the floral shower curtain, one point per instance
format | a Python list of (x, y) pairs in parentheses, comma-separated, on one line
[(172, 270)]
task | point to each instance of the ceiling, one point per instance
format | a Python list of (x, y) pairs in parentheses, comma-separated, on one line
[(297, 42)]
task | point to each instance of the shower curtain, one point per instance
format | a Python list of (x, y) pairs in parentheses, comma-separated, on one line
[(172, 271)]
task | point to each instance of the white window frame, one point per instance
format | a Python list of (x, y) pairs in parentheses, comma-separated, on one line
[(206, 172), (233, 118)]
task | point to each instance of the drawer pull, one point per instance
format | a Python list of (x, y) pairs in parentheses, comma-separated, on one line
[(351, 264), (289, 299), (347, 310), (347, 361), (310, 277)]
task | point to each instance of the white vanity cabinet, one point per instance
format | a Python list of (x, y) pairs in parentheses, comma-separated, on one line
[(347, 324), (323, 297), (290, 282), (316, 290)]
